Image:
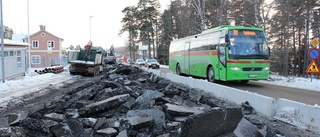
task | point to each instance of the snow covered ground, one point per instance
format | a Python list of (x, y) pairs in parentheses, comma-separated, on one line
[(18, 87), (297, 82)]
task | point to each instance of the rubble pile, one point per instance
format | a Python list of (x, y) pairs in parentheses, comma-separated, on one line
[(129, 102)]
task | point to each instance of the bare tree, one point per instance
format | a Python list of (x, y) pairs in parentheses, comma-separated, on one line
[(130, 25), (199, 6)]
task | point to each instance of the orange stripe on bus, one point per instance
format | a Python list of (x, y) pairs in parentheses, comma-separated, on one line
[(262, 62), (214, 53), (205, 53), (199, 53), (239, 61)]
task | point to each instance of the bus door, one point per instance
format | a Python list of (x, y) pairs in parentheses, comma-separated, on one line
[(221, 72), (186, 66)]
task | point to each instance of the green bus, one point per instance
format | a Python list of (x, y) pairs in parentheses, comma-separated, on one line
[(225, 53)]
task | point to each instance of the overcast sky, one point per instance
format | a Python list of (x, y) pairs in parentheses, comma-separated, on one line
[(69, 19)]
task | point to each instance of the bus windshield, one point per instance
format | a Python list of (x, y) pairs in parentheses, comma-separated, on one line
[(246, 44)]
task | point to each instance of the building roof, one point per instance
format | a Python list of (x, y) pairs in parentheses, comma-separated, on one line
[(43, 29), (15, 43)]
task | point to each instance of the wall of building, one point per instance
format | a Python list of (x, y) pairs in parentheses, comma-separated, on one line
[(45, 59), (45, 53), (14, 65)]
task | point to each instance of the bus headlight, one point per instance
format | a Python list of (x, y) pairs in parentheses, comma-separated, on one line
[(235, 68), (266, 68)]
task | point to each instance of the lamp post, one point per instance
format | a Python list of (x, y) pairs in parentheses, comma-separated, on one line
[(29, 42), (318, 24), (90, 25), (2, 44)]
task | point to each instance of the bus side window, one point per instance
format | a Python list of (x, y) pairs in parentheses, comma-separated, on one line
[(214, 46)]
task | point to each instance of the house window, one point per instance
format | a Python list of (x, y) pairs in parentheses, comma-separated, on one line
[(52, 61), (35, 44), (42, 34), (35, 59), (11, 53), (19, 63), (18, 53), (50, 44), (6, 53)]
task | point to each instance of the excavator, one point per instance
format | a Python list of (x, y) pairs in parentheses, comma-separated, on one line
[(86, 61)]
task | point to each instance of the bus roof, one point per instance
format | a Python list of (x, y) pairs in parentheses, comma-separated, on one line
[(226, 27), (222, 27)]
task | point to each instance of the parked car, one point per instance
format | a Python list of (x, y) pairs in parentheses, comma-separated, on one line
[(140, 62), (119, 60), (130, 61), (152, 63), (110, 60)]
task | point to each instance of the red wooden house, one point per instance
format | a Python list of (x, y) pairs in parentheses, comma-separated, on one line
[(45, 49)]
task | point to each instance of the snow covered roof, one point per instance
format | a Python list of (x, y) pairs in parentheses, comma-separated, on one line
[(16, 43)]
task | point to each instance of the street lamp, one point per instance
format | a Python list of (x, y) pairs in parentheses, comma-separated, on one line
[(318, 13), (2, 44), (29, 43), (90, 25)]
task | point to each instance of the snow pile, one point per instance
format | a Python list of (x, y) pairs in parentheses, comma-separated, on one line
[(297, 82), (290, 115), (27, 80)]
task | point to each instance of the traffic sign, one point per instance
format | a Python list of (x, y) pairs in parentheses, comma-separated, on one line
[(314, 53), (315, 42), (313, 68)]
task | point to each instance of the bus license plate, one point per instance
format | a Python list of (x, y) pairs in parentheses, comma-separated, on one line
[(253, 75)]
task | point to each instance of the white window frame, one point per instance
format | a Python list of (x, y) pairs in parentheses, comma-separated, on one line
[(6, 53), (35, 46), (19, 59), (36, 59), (19, 65), (18, 53), (43, 34), (50, 43), (11, 53), (53, 61)]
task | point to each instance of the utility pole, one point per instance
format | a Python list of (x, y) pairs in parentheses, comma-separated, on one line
[(29, 42), (90, 25), (306, 46), (2, 44)]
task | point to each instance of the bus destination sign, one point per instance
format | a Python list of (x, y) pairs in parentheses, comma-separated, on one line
[(244, 32), (251, 33)]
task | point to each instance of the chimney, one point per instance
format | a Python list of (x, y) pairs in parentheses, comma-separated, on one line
[(42, 27)]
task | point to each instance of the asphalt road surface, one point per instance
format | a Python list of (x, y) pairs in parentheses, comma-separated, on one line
[(274, 91)]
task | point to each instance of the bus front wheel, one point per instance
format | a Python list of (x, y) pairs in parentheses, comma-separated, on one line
[(210, 75), (178, 69)]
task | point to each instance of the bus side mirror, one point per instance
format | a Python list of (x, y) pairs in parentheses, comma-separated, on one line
[(226, 38)]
